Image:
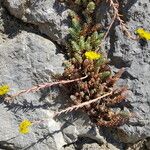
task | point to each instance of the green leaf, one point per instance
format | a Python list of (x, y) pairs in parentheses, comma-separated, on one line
[(76, 24), (82, 42), (75, 46), (88, 39), (74, 33), (90, 7), (84, 1), (105, 75), (72, 13), (96, 43), (78, 57), (78, 2), (94, 36), (88, 45), (101, 35)]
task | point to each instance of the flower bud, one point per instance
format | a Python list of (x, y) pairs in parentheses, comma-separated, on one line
[(90, 7)]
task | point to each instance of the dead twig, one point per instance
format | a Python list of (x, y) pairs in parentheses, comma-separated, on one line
[(42, 86), (75, 107), (115, 6)]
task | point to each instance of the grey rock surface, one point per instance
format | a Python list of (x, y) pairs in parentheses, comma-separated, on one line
[(49, 15), (135, 57), (27, 59), (78, 125), (88, 144), (148, 143)]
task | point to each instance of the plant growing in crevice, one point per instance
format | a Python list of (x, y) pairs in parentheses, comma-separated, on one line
[(95, 89), (86, 58)]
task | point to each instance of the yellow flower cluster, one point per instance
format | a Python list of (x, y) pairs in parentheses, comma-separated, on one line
[(143, 34), (92, 55), (4, 89), (24, 126)]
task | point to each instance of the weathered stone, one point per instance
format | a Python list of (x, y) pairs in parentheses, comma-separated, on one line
[(49, 15), (81, 126), (84, 143), (29, 59), (148, 143), (91, 146), (26, 60), (125, 52)]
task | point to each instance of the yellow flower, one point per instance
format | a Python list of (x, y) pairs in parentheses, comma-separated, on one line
[(4, 89), (92, 55), (143, 34), (24, 126)]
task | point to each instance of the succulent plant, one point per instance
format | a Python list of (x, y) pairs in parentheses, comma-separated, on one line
[(86, 60)]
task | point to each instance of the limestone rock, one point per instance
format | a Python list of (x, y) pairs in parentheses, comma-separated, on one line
[(148, 143), (29, 59), (49, 15), (26, 60), (134, 55), (79, 125)]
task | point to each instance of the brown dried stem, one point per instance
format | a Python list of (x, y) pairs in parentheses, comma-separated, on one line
[(115, 6), (75, 107), (42, 86)]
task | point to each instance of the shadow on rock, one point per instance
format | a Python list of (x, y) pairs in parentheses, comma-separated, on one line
[(13, 26), (55, 97)]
